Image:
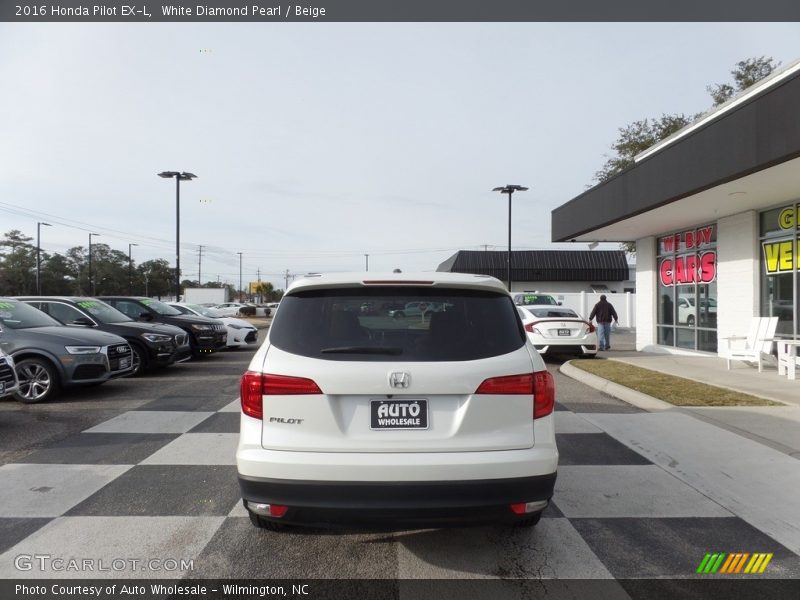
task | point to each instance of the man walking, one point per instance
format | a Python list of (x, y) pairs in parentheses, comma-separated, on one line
[(604, 312)]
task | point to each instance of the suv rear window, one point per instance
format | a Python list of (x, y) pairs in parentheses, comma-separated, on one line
[(397, 324)]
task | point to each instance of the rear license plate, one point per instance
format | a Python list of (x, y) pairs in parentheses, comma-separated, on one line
[(564, 332), (399, 414)]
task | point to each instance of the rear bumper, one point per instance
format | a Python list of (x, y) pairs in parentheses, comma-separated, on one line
[(398, 504), (566, 348)]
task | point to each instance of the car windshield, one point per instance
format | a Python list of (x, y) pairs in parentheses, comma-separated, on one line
[(204, 311), (554, 313), (103, 312), (376, 325), (161, 308), (18, 315), (529, 299)]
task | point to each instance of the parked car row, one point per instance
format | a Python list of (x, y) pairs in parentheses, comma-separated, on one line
[(57, 342)]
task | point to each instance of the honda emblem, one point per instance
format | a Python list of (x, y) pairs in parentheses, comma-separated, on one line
[(399, 380)]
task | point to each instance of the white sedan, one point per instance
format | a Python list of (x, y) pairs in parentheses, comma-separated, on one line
[(559, 330), (232, 309), (240, 332)]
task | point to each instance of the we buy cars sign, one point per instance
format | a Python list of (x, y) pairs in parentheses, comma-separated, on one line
[(698, 267)]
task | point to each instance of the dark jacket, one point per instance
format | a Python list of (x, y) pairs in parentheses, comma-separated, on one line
[(604, 312)]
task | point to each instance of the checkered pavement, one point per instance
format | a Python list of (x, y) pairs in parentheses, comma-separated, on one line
[(160, 481)]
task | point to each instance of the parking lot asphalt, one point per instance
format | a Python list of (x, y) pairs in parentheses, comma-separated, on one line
[(144, 469)]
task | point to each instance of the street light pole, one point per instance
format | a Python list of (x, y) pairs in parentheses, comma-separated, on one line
[(130, 270), (38, 256), (509, 189), (366, 256), (91, 276), (240, 276), (178, 177)]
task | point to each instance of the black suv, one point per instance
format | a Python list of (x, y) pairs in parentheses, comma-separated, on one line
[(205, 335), (153, 344)]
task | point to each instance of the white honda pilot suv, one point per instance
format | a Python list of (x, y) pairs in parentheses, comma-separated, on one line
[(441, 418)]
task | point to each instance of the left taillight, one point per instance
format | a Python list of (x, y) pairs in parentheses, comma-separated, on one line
[(254, 386), (589, 327), (251, 389), (540, 384)]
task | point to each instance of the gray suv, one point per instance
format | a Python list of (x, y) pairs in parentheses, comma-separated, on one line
[(50, 356)]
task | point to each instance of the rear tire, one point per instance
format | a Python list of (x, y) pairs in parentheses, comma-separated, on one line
[(38, 381)]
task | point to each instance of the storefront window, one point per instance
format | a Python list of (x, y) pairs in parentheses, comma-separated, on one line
[(687, 289), (780, 283)]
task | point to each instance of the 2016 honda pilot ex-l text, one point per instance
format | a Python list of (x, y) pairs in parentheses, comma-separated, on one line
[(352, 419)]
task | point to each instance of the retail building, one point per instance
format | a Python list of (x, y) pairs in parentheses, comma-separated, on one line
[(713, 210)]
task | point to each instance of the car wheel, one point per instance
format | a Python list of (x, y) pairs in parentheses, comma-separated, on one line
[(138, 360), (38, 381), (263, 523), (690, 320), (530, 521)]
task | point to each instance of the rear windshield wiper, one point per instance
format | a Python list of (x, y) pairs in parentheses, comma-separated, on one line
[(362, 350)]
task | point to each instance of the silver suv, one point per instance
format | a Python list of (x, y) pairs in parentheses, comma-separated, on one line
[(357, 419)]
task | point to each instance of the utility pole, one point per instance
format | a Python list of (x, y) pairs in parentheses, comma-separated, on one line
[(240, 276), (199, 266), (38, 256), (286, 280), (366, 256)]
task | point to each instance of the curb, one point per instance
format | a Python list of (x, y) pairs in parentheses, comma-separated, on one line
[(616, 390)]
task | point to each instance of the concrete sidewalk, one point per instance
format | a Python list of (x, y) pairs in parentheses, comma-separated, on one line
[(743, 458), (775, 426)]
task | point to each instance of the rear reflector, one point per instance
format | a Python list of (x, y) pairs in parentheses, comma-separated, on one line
[(255, 385), (522, 508), (544, 394), (510, 384), (267, 510)]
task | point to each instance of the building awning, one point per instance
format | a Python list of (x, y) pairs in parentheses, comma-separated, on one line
[(542, 265), (745, 156)]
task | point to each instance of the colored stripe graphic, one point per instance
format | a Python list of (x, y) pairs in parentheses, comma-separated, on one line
[(721, 562)]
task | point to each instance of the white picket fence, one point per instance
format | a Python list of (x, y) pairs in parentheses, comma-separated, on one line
[(582, 303)]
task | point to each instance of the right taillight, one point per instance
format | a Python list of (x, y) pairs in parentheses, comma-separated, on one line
[(540, 383), (544, 394), (254, 386)]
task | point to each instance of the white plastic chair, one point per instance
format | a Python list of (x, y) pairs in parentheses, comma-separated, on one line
[(758, 343)]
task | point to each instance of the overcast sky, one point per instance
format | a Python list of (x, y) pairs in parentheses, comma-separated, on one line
[(317, 143)]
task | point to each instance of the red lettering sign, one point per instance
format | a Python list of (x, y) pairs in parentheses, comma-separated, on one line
[(688, 269)]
